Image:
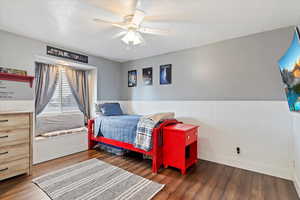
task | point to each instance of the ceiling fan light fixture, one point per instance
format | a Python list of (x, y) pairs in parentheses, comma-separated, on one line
[(132, 25), (131, 38)]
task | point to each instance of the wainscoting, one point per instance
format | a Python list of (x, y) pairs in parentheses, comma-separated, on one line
[(296, 140), (262, 130)]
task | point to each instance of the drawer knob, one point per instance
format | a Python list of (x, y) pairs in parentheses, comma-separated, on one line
[(5, 136), (3, 153), (1, 170), (3, 121)]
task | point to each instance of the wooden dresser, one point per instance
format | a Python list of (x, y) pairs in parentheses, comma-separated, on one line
[(15, 144)]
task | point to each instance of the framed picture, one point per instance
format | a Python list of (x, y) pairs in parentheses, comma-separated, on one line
[(147, 76), (289, 66), (165, 74), (132, 78)]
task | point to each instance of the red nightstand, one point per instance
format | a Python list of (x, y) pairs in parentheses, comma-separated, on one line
[(180, 146)]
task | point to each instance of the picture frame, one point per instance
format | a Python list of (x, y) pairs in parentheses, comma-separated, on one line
[(148, 76), (165, 73), (132, 78), (289, 66)]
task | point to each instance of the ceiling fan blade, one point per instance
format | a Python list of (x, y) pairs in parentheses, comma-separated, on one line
[(153, 31), (138, 17), (120, 25), (116, 24), (102, 21)]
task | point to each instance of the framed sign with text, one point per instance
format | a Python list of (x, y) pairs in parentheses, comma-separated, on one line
[(53, 51)]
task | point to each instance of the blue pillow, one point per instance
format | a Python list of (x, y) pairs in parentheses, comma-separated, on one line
[(111, 109)]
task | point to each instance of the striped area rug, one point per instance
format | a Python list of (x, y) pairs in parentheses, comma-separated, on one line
[(94, 180)]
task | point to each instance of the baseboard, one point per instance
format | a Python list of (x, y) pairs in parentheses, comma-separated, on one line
[(251, 166), (297, 184)]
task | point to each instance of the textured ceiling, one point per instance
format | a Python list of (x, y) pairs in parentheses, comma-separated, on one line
[(191, 23)]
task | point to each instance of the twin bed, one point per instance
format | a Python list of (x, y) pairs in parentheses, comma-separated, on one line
[(121, 131)]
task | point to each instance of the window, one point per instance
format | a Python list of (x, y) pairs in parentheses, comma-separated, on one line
[(63, 99)]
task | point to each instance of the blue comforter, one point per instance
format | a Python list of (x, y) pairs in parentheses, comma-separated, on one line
[(121, 128)]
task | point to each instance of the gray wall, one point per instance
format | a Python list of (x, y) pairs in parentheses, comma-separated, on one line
[(19, 52), (238, 69)]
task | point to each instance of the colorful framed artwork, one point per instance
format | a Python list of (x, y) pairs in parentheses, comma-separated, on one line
[(132, 78), (289, 66), (165, 74), (147, 76)]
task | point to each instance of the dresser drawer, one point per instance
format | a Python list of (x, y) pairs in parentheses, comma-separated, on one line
[(13, 137), (14, 168), (15, 152), (191, 136), (13, 121)]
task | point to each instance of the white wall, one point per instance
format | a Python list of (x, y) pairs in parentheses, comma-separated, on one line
[(262, 129), (296, 140)]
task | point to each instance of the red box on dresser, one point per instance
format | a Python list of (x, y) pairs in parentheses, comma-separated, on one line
[(180, 146)]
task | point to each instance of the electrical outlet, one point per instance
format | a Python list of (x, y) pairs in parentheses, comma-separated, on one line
[(238, 150)]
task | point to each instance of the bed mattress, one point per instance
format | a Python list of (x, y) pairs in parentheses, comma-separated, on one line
[(121, 127)]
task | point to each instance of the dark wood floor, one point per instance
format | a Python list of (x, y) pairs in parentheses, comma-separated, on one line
[(206, 180)]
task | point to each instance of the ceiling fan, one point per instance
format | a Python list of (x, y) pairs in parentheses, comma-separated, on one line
[(132, 27)]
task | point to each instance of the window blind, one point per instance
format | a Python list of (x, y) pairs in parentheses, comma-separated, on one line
[(63, 99)]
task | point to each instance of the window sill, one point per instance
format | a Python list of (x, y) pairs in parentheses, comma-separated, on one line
[(60, 113)]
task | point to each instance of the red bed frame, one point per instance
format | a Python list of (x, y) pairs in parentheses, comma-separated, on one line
[(157, 139)]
